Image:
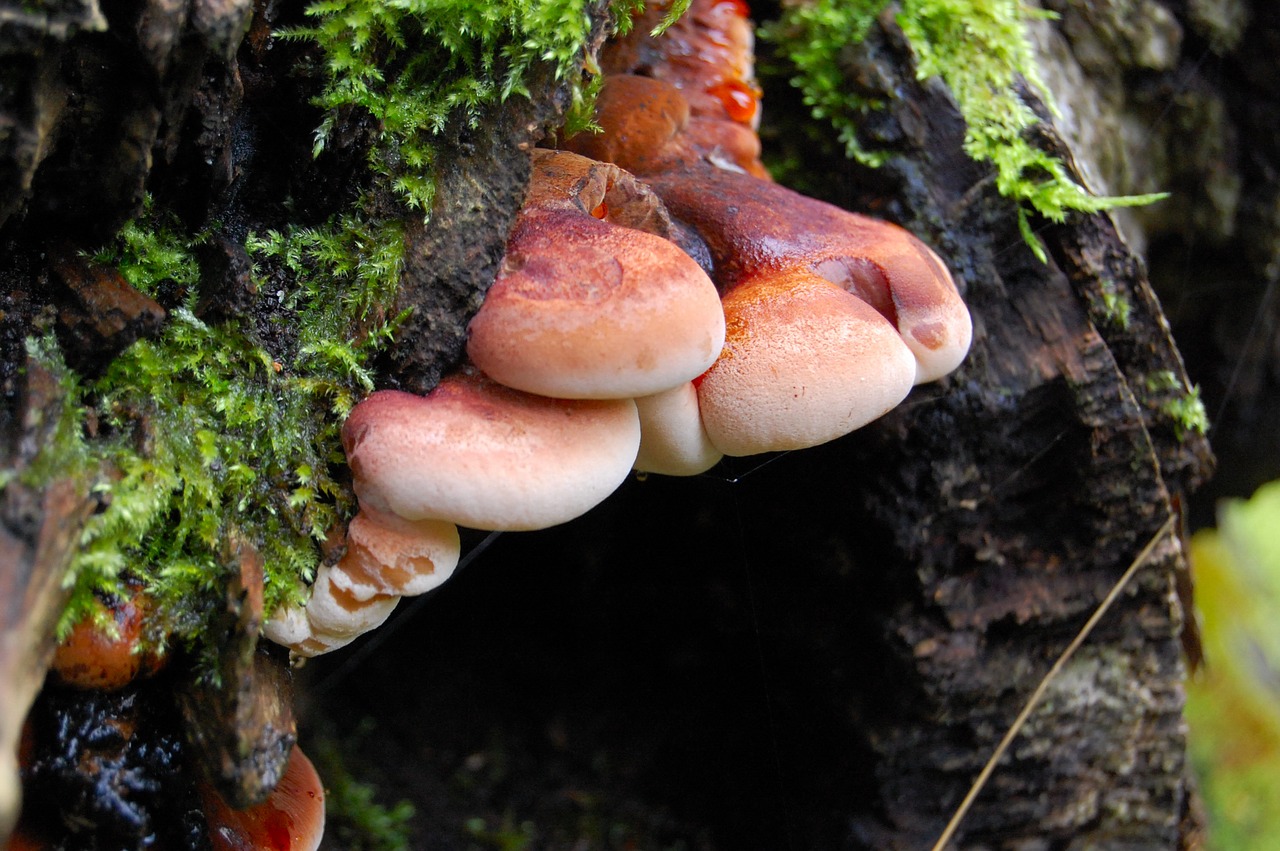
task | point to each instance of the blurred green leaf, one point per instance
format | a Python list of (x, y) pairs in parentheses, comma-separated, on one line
[(1233, 706)]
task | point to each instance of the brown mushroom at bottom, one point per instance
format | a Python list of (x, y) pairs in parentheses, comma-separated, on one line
[(107, 650), (291, 819)]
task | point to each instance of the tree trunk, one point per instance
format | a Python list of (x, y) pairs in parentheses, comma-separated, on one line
[(816, 651)]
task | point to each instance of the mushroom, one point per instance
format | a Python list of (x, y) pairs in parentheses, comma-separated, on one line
[(106, 650), (803, 363), (756, 229), (587, 308), (673, 438), (647, 128), (291, 819), (831, 317), (483, 455), (389, 555)]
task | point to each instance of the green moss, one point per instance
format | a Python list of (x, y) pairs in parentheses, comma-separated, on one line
[(507, 835), (1185, 407), (980, 49), (1117, 305), (354, 819), (417, 65), (213, 440)]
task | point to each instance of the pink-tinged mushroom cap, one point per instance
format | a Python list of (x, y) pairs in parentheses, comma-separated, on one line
[(673, 441), (754, 228), (587, 309), (388, 555), (483, 455), (804, 363)]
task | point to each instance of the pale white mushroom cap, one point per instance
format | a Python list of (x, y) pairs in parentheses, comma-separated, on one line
[(333, 613), (288, 626), (388, 555), (673, 441), (485, 456), (804, 362)]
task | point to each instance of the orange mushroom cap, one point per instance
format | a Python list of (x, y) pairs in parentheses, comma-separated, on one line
[(291, 819), (106, 657)]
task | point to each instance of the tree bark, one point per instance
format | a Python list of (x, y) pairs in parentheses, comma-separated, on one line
[(822, 651)]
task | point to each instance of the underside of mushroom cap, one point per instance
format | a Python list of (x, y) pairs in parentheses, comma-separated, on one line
[(804, 362), (485, 456), (337, 616), (388, 555)]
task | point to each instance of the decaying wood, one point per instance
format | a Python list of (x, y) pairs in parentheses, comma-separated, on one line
[(1015, 499), (39, 529), (933, 565), (242, 724)]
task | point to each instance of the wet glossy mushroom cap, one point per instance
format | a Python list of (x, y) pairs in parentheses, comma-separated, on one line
[(804, 363), (587, 309), (291, 819), (483, 455), (707, 54), (673, 440)]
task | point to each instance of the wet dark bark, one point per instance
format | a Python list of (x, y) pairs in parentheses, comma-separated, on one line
[(1017, 496), (819, 655)]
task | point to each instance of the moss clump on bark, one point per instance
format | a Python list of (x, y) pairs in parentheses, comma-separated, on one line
[(980, 50)]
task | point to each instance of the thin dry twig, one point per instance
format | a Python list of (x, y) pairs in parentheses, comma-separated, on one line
[(987, 770)]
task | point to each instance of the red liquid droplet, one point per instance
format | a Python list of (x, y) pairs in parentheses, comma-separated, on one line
[(739, 7), (740, 101)]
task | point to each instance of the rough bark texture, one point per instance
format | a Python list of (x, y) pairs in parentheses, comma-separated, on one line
[(1015, 501), (38, 533), (822, 651)]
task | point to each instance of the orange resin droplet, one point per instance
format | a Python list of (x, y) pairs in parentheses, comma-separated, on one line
[(601, 211), (740, 100), (738, 6)]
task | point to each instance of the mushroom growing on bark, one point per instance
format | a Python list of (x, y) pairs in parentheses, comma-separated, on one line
[(587, 306), (471, 452), (831, 317), (483, 455), (291, 819)]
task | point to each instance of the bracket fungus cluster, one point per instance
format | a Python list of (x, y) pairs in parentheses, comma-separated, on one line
[(662, 303)]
